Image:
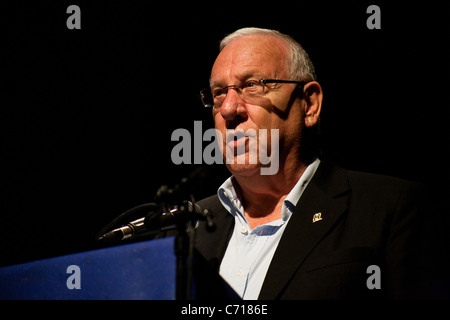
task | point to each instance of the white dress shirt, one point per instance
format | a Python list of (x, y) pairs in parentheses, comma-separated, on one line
[(249, 252)]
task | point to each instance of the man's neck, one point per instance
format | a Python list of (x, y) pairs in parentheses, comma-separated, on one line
[(263, 195)]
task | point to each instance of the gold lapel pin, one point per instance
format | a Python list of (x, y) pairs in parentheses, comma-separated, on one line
[(317, 217)]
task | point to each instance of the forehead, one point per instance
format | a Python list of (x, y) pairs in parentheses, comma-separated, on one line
[(251, 56)]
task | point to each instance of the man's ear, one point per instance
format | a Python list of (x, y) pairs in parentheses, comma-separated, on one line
[(313, 97)]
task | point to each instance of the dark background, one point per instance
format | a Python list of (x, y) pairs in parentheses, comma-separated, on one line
[(87, 115)]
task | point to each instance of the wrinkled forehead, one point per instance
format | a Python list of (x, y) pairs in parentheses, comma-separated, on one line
[(248, 57)]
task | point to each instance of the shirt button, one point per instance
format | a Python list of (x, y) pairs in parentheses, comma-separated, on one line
[(240, 272), (243, 229)]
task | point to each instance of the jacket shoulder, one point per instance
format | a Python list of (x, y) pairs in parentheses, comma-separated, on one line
[(382, 184), (211, 201), (371, 178)]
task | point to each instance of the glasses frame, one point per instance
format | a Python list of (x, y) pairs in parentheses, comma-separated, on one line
[(207, 91)]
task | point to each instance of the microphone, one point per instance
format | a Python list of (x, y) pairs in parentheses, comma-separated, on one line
[(188, 213), (130, 231)]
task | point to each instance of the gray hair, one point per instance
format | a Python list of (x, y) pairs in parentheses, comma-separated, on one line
[(300, 67)]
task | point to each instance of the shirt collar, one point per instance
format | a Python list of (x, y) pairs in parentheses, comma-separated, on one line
[(300, 186), (230, 197)]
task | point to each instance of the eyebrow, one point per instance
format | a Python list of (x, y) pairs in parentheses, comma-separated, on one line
[(241, 77)]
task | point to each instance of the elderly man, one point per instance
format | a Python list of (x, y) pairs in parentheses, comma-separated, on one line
[(310, 230)]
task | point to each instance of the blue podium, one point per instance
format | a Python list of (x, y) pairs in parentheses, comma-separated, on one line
[(142, 270)]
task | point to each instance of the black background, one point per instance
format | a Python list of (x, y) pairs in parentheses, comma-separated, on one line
[(87, 115)]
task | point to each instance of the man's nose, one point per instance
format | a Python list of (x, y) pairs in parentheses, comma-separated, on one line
[(233, 106)]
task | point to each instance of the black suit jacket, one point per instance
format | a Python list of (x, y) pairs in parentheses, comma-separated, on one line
[(367, 220)]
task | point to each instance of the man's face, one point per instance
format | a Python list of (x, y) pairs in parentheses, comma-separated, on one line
[(254, 58)]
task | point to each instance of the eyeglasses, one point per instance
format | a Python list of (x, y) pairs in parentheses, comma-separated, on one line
[(248, 92)]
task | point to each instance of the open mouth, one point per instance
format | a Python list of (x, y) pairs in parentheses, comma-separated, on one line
[(235, 137), (236, 142), (239, 139)]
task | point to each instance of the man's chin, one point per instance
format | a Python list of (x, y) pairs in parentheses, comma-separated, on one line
[(244, 170)]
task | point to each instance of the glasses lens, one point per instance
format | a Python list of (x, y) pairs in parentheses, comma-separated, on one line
[(253, 88), (207, 98)]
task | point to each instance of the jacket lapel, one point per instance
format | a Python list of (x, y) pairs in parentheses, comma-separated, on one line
[(325, 197), (212, 244)]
